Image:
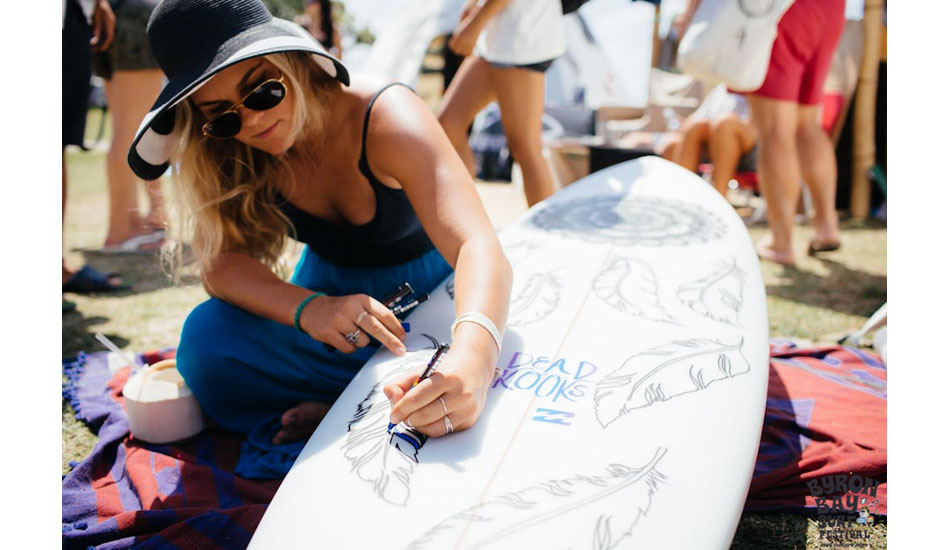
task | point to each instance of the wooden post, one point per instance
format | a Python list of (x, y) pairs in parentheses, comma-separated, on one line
[(656, 37), (864, 108)]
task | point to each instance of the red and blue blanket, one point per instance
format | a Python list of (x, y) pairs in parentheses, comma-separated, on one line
[(823, 450)]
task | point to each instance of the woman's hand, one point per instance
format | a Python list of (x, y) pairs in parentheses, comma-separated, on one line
[(682, 21), (465, 35), (467, 8), (103, 26), (457, 389), (330, 319)]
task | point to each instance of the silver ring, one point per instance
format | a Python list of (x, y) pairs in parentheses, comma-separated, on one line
[(360, 318), (353, 337), (407, 423), (444, 408), (448, 425)]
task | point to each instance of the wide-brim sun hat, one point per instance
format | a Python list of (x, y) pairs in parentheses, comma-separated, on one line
[(193, 40)]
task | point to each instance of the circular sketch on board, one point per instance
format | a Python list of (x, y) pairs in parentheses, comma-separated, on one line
[(642, 221)]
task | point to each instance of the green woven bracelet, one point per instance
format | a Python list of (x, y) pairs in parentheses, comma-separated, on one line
[(302, 305)]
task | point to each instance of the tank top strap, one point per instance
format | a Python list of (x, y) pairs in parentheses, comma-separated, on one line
[(364, 163)]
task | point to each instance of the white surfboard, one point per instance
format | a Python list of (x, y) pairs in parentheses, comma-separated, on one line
[(628, 409)]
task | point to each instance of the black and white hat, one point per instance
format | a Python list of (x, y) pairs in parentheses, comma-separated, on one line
[(192, 40)]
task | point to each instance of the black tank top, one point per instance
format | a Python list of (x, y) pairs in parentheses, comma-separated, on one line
[(394, 235)]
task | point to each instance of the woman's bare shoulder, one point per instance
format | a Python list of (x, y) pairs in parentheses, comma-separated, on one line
[(365, 85)]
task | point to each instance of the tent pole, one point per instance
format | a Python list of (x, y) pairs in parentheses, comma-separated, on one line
[(864, 107)]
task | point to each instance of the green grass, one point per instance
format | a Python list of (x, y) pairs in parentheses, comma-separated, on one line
[(817, 301)]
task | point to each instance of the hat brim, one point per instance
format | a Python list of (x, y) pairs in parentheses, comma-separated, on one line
[(149, 154)]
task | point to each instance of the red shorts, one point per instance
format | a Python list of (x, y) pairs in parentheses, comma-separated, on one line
[(808, 34)]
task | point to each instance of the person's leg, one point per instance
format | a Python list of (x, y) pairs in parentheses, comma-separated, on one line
[(816, 157), (671, 146), (129, 94), (696, 132), (520, 94), (776, 122), (730, 138), (67, 272), (469, 93), (155, 219)]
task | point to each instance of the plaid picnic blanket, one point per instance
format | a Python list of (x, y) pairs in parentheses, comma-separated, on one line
[(825, 431), (128, 493), (824, 442)]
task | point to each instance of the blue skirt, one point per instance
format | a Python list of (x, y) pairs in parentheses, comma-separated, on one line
[(246, 371)]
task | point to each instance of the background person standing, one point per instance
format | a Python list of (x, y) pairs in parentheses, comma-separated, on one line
[(132, 78), (514, 42)]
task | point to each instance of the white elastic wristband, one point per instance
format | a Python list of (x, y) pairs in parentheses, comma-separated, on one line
[(478, 319)]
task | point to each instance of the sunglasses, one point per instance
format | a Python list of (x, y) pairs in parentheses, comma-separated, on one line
[(266, 95)]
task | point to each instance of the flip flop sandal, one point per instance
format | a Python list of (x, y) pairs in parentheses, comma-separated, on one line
[(89, 279), (815, 247), (139, 244)]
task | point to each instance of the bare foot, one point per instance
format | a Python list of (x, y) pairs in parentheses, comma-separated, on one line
[(300, 421), (766, 251)]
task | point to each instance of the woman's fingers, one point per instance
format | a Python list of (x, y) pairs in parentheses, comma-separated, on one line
[(387, 318), (418, 397), (374, 327), (396, 388), (431, 413), (438, 428), (338, 340)]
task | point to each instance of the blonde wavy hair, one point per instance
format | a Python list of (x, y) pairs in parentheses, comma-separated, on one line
[(223, 192)]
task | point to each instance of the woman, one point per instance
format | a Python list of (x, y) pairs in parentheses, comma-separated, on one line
[(278, 143), (318, 18), (132, 77), (515, 42), (792, 144)]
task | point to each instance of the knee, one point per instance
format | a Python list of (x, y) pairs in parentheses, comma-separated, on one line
[(777, 137), (696, 128), (725, 125), (200, 356), (524, 147), (808, 134), (669, 148)]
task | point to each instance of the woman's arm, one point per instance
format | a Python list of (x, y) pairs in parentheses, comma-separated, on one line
[(474, 18), (683, 19), (407, 144), (246, 283)]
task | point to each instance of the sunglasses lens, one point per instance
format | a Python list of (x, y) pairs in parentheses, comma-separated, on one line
[(268, 96), (224, 126)]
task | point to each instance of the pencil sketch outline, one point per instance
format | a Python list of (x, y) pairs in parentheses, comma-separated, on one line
[(630, 286), (543, 502), (538, 295), (369, 444), (519, 251), (665, 372), (718, 295), (450, 286), (625, 220)]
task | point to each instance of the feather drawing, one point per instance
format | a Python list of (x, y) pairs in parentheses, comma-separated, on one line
[(664, 372), (629, 285), (537, 297), (450, 286), (718, 295), (613, 503), (518, 252), (385, 460)]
